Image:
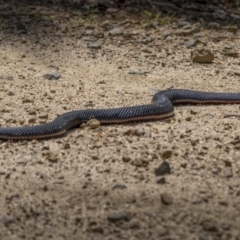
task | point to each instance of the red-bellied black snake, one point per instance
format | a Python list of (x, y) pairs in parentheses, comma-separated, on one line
[(160, 108)]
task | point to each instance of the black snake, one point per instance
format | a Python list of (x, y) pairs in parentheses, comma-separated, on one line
[(160, 108)]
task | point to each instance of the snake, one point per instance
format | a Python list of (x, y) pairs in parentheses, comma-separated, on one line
[(161, 107)]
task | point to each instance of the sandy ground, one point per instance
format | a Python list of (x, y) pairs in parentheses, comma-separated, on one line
[(101, 183)]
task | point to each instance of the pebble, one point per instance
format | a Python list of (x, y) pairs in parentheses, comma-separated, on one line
[(230, 54), (140, 131), (214, 25), (115, 32), (138, 72), (26, 100), (160, 180), (7, 220), (93, 123), (115, 217), (166, 154), (202, 56), (51, 157), (166, 199), (163, 169), (209, 226), (126, 158), (6, 76), (191, 43), (52, 76), (94, 45), (43, 115)]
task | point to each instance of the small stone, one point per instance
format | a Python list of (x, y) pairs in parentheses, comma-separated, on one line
[(10, 93), (166, 199), (138, 72), (43, 115), (166, 34), (53, 66), (93, 123), (66, 146), (193, 112), (209, 226), (52, 157), (137, 162), (32, 112), (94, 45), (6, 76), (105, 24), (140, 131), (7, 220), (188, 119), (95, 157), (202, 56), (182, 23), (214, 25), (126, 159), (231, 54), (191, 43), (115, 217), (160, 180), (187, 26), (166, 154), (119, 186), (89, 32), (163, 169), (26, 100), (31, 120), (52, 76), (232, 28), (115, 32)]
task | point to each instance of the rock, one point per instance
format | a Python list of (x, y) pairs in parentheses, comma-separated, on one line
[(119, 186), (51, 157), (137, 162), (10, 93), (214, 25), (166, 154), (126, 158), (105, 24), (160, 180), (52, 76), (166, 199), (138, 72), (93, 123), (7, 220), (209, 226), (66, 146), (115, 32), (166, 34), (26, 100), (6, 76), (230, 54), (53, 66), (163, 169), (94, 45), (139, 131), (202, 56), (182, 23), (115, 217), (191, 43), (43, 115)]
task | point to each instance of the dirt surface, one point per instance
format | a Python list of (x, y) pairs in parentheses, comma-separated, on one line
[(102, 183)]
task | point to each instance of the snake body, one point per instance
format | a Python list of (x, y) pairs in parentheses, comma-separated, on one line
[(160, 108)]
